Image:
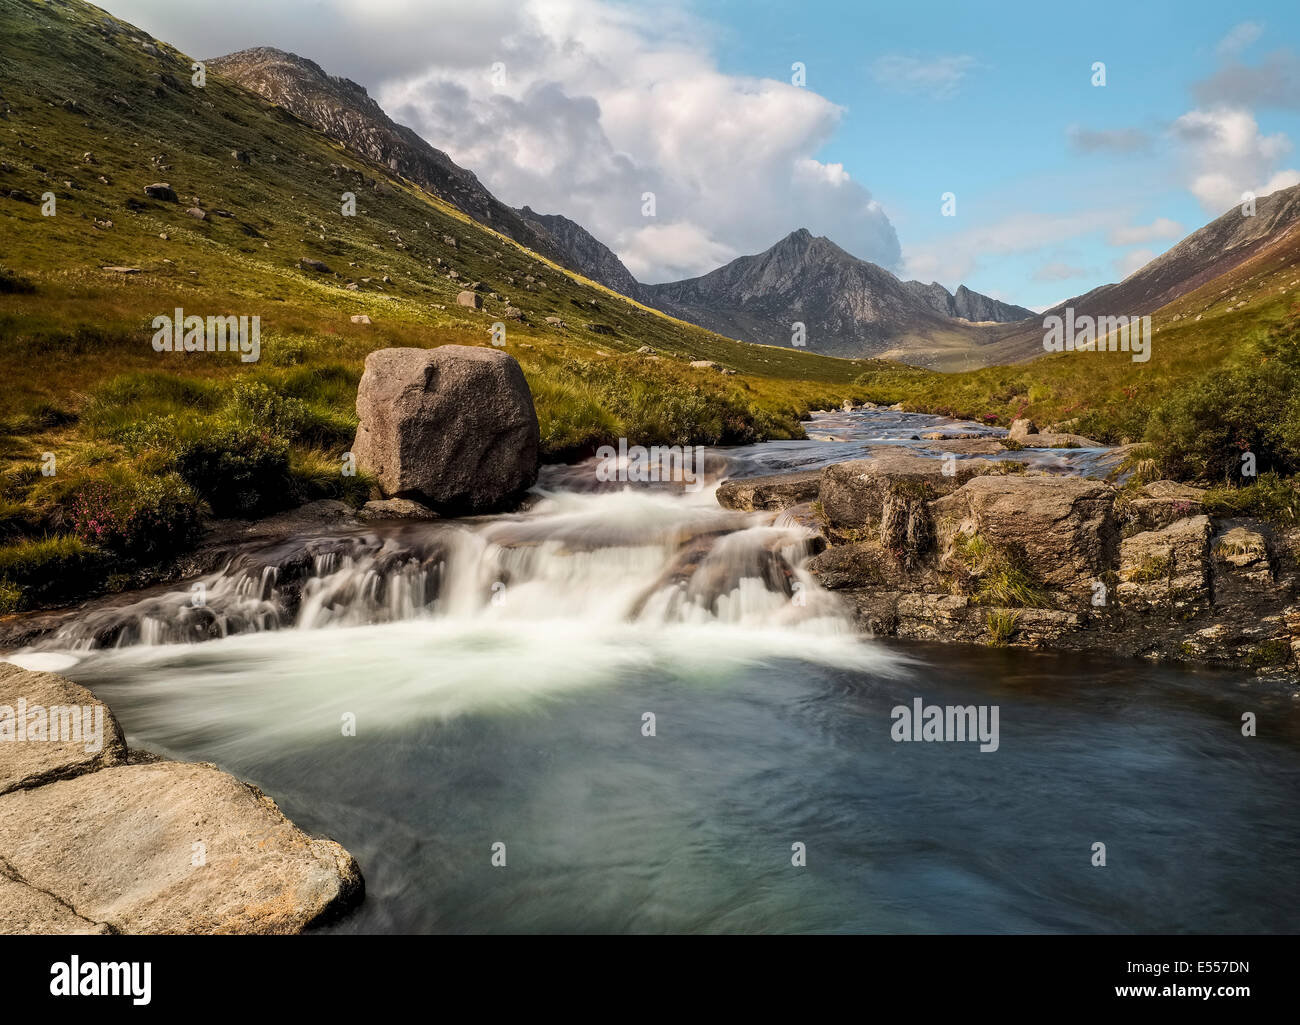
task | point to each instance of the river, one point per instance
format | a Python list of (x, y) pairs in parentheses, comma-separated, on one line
[(503, 674)]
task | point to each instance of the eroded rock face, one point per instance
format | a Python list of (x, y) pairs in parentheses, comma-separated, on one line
[(777, 491), (118, 847), (853, 493), (1063, 527), (1161, 503), (1037, 560), (60, 709), (452, 428), (1167, 567)]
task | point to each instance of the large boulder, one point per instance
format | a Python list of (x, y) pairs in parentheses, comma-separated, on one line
[(452, 428), (165, 847), (1061, 528)]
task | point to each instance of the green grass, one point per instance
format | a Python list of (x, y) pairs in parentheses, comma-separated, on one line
[(999, 579), (83, 382), (1001, 625)]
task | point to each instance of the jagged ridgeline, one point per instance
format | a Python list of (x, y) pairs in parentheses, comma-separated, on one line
[(131, 186)]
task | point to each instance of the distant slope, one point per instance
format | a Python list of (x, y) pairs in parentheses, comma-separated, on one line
[(967, 305), (585, 253), (849, 307), (1212, 252), (343, 110)]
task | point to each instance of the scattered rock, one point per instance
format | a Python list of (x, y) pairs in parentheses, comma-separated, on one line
[(1021, 429), (555, 322), (360, 318), (471, 299), (163, 191), (197, 214), (316, 265), (122, 270)]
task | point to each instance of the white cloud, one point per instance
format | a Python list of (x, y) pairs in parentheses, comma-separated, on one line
[(938, 77), (955, 257), (1135, 260), (1227, 155), (1160, 228), (601, 102), (1239, 38)]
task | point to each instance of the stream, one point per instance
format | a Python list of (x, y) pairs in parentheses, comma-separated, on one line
[(503, 673)]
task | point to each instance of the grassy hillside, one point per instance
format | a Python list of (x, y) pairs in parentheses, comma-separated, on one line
[(143, 443)]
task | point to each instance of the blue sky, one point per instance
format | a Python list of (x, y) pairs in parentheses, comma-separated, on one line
[(1060, 186), (996, 129)]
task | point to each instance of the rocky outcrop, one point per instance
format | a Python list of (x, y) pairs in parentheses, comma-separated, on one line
[(48, 708), (452, 428), (984, 555), (1062, 527), (778, 491), (128, 845), (584, 252)]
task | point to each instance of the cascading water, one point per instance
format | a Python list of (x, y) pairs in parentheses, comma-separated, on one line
[(648, 699)]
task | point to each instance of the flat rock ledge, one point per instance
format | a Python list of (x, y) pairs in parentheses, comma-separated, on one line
[(95, 841), (994, 553)]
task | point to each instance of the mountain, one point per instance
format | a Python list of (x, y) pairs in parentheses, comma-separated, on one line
[(849, 307), (344, 111), (1225, 245), (966, 305), (585, 253)]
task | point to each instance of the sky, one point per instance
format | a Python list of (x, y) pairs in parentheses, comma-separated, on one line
[(749, 119)]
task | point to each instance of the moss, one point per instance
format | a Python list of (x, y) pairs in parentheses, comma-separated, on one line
[(1153, 567), (1274, 652)]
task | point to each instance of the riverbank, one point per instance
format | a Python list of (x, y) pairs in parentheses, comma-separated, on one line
[(98, 838), (977, 551)]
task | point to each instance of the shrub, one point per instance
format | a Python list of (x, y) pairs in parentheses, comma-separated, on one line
[(1253, 405), (144, 518), (12, 283), (237, 469)]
